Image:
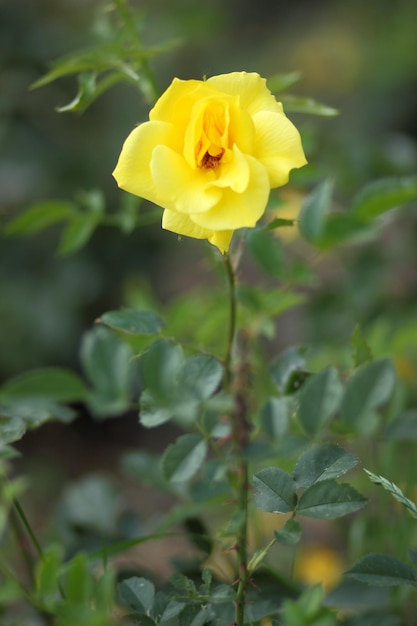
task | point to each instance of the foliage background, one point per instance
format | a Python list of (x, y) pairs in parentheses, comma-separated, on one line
[(358, 57)]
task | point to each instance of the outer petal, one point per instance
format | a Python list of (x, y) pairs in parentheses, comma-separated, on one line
[(239, 210), (183, 225), (132, 171), (277, 146), (250, 87), (182, 188), (175, 104)]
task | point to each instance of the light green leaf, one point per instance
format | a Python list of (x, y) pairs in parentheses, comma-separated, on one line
[(11, 429), (92, 503), (383, 195), (382, 570), (274, 491), (320, 399), (394, 491), (133, 322), (184, 458), (329, 500), (322, 462), (312, 218), (77, 232), (79, 583), (404, 428), (281, 82), (200, 377), (369, 388), (361, 350), (297, 104), (173, 609), (285, 365), (39, 216), (55, 384)]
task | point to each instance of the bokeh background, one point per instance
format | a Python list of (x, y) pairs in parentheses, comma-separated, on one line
[(359, 57)]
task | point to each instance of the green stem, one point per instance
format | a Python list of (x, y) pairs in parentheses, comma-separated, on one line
[(152, 91), (21, 514), (238, 383), (232, 319)]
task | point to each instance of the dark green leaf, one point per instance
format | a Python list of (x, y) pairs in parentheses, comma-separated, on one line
[(383, 195), (370, 387), (133, 322), (200, 377), (56, 384), (404, 428), (322, 462), (274, 491), (329, 500), (138, 593), (266, 251), (313, 212), (39, 216), (275, 417), (290, 534), (173, 609), (320, 399), (108, 363), (184, 458), (279, 222), (382, 571)]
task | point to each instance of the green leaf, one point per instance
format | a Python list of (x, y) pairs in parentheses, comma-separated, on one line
[(173, 609), (11, 429), (281, 82), (382, 571), (200, 377), (47, 576), (285, 365), (77, 232), (108, 363), (296, 104), (319, 400), (39, 216), (329, 500), (79, 583), (404, 428), (138, 593), (184, 458), (86, 90), (290, 534), (53, 383), (383, 195), (159, 369), (275, 417), (92, 503), (361, 350), (312, 218), (279, 222), (265, 249), (394, 491), (369, 388), (274, 491), (133, 322), (322, 462)]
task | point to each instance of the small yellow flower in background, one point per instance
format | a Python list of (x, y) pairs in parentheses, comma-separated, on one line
[(319, 564), (209, 155)]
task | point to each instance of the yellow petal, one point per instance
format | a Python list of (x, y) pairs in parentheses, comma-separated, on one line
[(132, 171), (277, 146), (250, 88), (183, 225), (175, 104), (182, 188), (239, 210)]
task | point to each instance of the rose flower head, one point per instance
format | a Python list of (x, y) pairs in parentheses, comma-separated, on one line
[(209, 155)]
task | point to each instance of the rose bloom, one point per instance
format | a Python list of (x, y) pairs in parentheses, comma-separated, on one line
[(209, 155)]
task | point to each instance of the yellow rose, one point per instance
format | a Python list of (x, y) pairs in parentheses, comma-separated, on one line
[(209, 155)]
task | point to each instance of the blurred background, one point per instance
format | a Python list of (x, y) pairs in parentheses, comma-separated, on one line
[(359, 57)]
